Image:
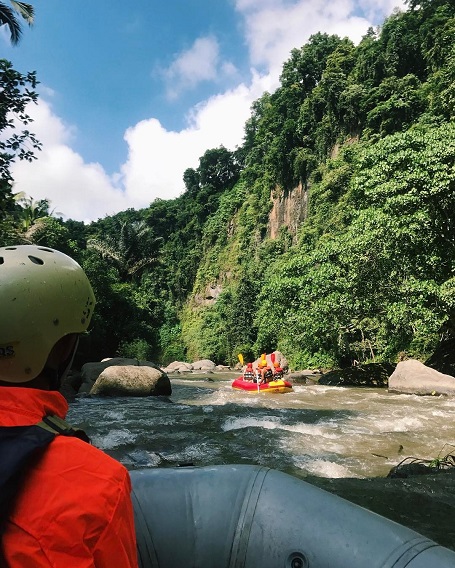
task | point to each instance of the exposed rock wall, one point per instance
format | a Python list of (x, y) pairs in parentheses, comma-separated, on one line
[(289, 209), (209, 296)]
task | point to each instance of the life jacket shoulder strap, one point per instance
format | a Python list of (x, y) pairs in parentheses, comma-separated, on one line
[(57, 425)]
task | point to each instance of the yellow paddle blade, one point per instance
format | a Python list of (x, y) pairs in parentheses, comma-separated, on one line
[(240, 358)]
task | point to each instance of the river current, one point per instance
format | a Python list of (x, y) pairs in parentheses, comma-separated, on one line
[(316, 432)]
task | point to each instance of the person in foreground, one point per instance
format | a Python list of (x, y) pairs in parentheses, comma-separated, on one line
[(73, 508)]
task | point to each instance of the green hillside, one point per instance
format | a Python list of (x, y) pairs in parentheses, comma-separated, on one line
[(329, 234)]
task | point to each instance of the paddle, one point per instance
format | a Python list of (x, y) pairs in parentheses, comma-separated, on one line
[(264, 362)]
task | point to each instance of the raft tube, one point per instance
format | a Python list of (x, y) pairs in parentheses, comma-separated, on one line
[(278, 386), (245, 516)]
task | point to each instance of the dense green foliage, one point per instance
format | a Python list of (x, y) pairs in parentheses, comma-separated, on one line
[(372, 283), (367, 134), (15, 94)]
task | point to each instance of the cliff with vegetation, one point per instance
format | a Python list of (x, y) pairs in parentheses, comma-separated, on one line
[(328, 234)]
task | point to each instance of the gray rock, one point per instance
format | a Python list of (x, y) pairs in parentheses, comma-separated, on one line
[(413, 377), (91, 371), (180, 366), (224, 368), (204, 365), (305, 377), (131, 380), (279, 358), (368, 375)]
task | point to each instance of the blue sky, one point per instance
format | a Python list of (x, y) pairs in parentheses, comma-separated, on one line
[(132, 94)]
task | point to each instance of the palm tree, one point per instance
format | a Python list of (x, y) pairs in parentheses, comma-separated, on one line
[(31, 218), (128, 248), (31, 211), (8, 17)]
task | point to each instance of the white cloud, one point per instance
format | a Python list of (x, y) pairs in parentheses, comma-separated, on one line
[(156, 160), (199, 63), (274, 27), (77, 190), (157, 157)]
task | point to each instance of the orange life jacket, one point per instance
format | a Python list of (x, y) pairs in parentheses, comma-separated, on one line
[(74, 505)]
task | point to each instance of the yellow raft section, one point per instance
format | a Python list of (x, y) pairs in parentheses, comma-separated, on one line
[(279, 386)]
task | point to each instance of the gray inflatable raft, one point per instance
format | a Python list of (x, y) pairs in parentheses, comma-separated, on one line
[(242, 516)]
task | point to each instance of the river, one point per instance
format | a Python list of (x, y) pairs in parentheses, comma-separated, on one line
[(343, 439)]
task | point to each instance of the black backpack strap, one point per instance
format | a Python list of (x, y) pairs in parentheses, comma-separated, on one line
[(18, 446)]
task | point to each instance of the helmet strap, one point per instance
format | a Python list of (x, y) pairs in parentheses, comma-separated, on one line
[(56, 375)]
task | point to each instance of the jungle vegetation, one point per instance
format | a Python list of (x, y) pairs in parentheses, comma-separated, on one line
[(367, 133)]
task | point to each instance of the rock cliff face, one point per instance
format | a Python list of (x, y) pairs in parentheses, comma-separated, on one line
[(209, 296), (289, 209)]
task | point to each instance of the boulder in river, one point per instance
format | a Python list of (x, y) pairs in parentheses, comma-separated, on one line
[(179, 367), (91, 371), (204, 365), (304, 377), (279, 358), (413, 377), (369, 375), (131, 380)]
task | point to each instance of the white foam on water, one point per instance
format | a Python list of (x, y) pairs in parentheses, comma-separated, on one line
[(154, 459), (385, 418), (114, 439), (325, 468), (142, 458), (398, 424), (192, 453), (218, 397), (249, 422), (318, 390), (320, 430), (441, 414), (311, 446), (113, 415), (310, 431), (353, 432)]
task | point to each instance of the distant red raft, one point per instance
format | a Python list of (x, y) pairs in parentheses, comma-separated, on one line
[(279, 386)]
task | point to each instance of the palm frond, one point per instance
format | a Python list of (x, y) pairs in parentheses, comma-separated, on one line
[(8, 18), (104, 249), (19, 196), (141, 265), (35, 232), (25, 10)]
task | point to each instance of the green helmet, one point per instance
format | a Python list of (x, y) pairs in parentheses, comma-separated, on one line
[(44, 295)]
